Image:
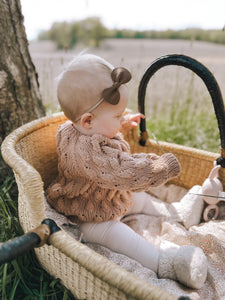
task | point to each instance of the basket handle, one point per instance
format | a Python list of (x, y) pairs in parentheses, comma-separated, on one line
[(35, 238), (204, 74)]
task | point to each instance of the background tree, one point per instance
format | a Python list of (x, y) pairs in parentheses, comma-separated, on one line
[(20, 99), (92, 31), (66, 35)]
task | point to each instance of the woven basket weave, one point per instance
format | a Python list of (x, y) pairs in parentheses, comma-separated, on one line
[(31, 152)]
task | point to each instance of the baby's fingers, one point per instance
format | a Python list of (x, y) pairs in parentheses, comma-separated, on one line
[(137, 118)]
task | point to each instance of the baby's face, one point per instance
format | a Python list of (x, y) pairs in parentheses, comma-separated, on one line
[(108, 118)]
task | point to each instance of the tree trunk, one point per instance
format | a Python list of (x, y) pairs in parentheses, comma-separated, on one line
[(20, 99)]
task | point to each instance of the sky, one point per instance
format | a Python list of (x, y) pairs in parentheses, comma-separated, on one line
[(130, 14)]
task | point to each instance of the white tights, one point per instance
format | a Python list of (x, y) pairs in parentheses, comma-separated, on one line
[(120, 238)]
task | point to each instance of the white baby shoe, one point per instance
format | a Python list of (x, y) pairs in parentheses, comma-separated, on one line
[(189, 209), (186, 264)]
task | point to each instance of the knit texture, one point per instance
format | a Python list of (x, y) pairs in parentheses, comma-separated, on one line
[(186, 264), (97, 175)]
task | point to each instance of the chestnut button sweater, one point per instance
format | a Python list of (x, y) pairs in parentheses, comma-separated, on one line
[(97, 175)]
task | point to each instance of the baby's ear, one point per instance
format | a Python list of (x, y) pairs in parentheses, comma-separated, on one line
[(86, 120)]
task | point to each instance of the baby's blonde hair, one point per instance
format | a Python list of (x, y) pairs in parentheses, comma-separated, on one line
[(81, 84)]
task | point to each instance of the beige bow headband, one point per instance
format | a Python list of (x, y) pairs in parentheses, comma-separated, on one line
[(111, 95), (119, 76)]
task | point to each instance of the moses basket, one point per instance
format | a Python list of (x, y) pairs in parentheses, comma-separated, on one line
[(31, 152)]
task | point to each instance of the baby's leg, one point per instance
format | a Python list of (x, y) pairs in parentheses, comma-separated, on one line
[(188, 210), (149, 205), (186, 264), (120, 238)]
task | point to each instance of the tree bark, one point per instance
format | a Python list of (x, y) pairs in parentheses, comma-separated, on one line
[(20, 98)]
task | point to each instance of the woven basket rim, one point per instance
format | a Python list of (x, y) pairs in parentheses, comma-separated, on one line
[(8, 144), (191, 150)]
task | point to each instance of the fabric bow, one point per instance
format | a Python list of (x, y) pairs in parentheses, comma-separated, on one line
[(119, 76)]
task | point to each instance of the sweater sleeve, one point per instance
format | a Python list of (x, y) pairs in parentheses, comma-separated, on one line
[(112, 167)]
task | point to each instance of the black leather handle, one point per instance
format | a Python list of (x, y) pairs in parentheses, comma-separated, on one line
[(20, 245), (203, 73)]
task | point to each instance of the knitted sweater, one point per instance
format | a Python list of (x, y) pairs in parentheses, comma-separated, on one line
[(97, 175)]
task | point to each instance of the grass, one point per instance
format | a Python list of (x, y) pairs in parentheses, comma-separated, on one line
[(188, 120), (193, 128)]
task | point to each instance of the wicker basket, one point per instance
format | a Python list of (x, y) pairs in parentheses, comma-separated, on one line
[(31, 151)]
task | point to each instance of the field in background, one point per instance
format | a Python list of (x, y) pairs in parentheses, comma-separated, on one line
[(172, 94)]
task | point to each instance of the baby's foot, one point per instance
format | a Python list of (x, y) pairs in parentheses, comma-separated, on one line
[(186, 264), (190, 207)]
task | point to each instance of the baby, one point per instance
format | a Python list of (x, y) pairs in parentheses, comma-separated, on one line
[(99, 180)]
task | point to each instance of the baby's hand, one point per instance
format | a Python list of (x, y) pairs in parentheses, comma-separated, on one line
[(132, 120)]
